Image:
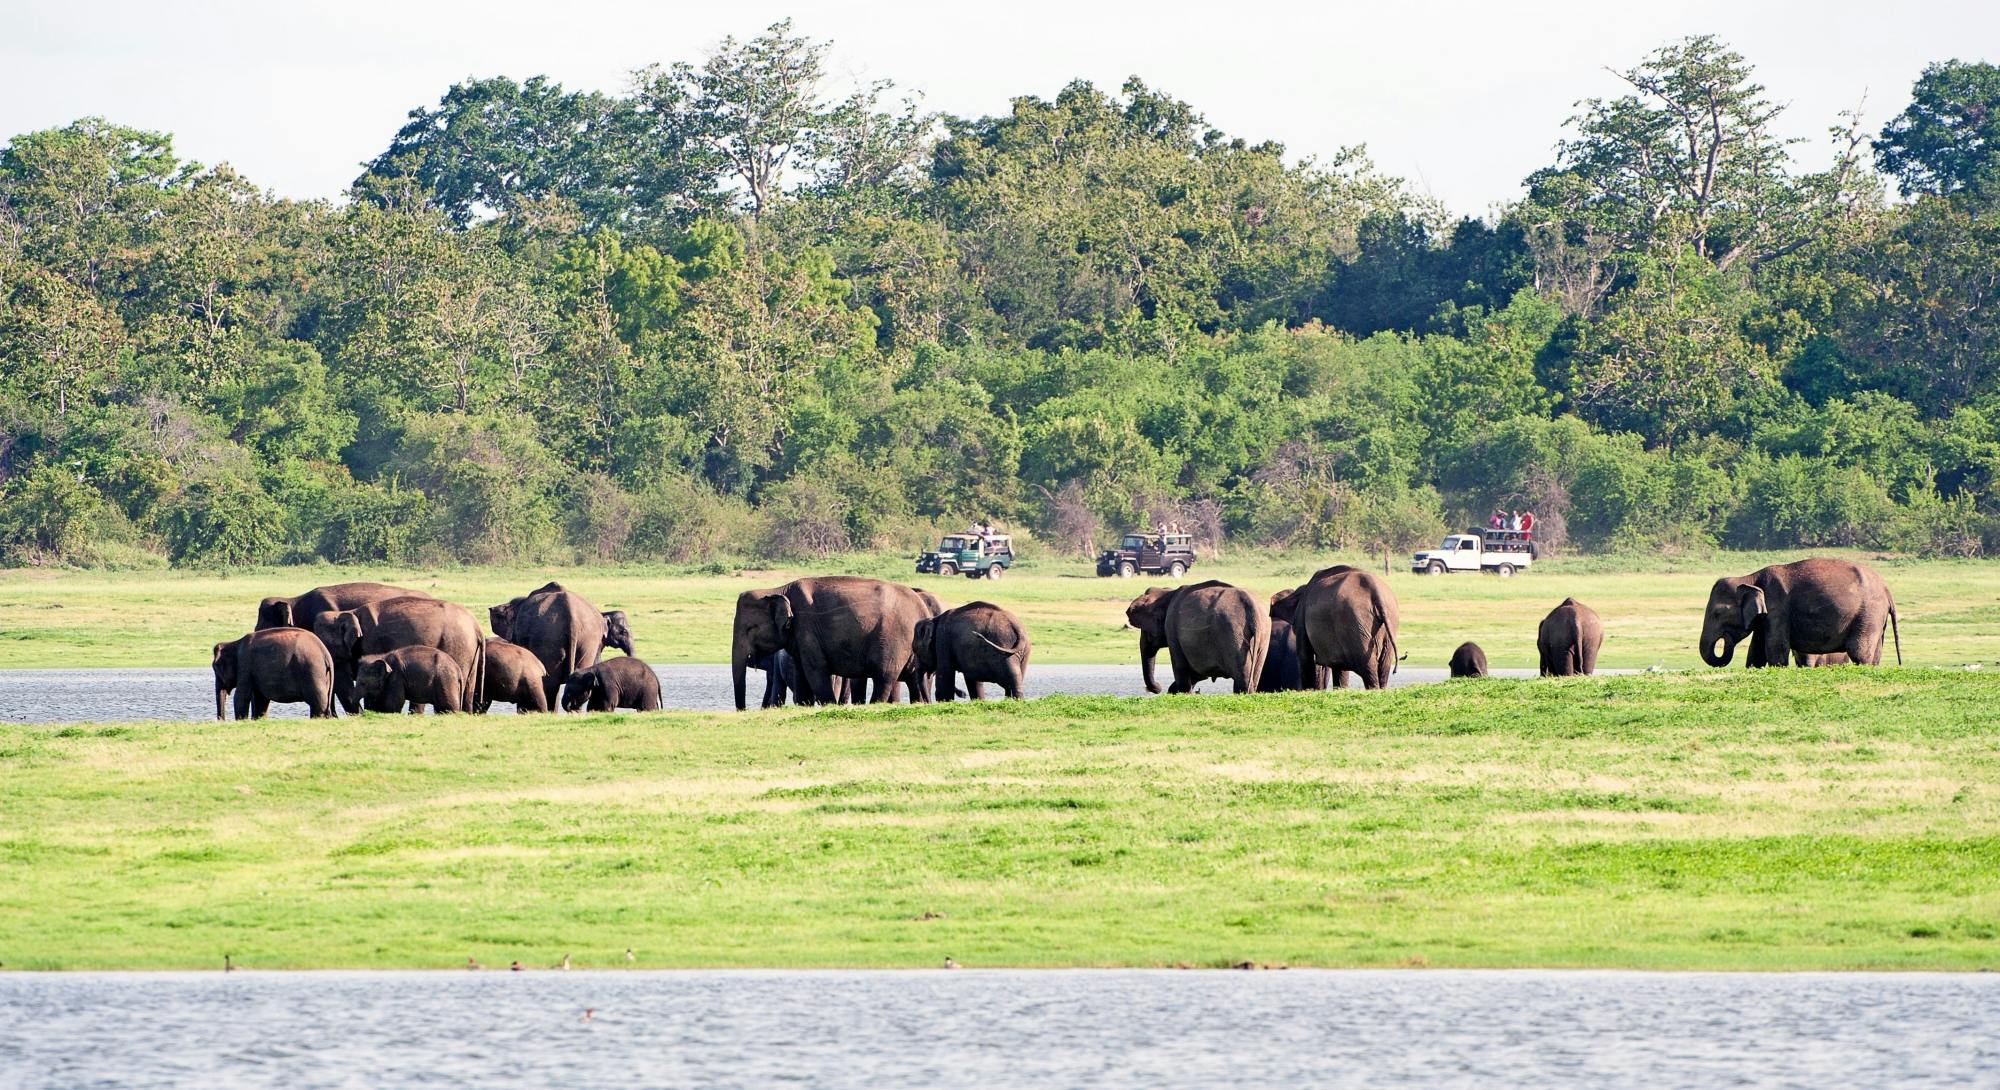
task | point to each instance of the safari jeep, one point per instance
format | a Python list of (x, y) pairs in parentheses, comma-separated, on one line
[(1498, 552), (968, 555), (1149, 554)]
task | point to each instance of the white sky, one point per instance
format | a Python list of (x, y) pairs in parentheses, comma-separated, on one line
[(1464, 99)]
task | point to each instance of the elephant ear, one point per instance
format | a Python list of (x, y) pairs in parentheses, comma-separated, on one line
[(926, 635), (1750, 602), (781, 617), (223, 662), (502, 620)]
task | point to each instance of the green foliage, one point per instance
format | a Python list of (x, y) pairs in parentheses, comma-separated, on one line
[(742, 309)]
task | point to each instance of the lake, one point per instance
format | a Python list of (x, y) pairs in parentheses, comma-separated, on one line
[(56, 696), (1083, 1029)]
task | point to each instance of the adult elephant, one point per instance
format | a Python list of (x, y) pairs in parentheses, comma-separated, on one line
[(1806, 608), (836, 626), (302, 611), (286, 665), (561, 628), (979, 640), (1568, 640), (1209, 630), (1345, 619), (381, 627)]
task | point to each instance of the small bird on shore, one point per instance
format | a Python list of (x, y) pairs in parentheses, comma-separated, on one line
[(516, 967), (563, 964), (628, 955), (949, 963), (473, 963), (589, 1013), (228, 965)]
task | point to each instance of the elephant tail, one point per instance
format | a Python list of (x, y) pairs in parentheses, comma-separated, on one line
[(1389, 634), (1010, 652), (1898, 633)]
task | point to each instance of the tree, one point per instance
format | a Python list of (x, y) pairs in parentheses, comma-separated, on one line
[(1687, 159), (1947, 140), (61, 344), (85, 192)]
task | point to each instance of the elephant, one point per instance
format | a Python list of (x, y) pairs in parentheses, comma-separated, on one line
[(1468, 661), (1568, 640), (404, 622), (1209, 629), (412, 677), (979, 640), (1281, 663), (840, 626), (1344, 619), (1793, 611), (305, 609), (1756, 656), (562, 629), (515, 675), (780, 677), (622, 682), (286, 665)]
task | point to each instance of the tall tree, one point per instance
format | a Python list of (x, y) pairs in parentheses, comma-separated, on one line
[(1948, 139)]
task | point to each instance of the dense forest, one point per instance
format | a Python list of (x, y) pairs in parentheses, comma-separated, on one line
[(737, 312)]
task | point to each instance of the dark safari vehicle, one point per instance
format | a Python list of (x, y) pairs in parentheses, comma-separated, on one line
[(1149, 554), (971, 555)]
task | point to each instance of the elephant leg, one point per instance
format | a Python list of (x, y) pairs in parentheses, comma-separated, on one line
[(1777, 645), (260, 706), (813, 672), (1012, 685), (945, 677), (343, 689), (1184, 679), (241, 700), (1336, 677)]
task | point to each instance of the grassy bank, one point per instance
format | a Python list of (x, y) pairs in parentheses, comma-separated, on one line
[(1652, 615), (1822, 819)]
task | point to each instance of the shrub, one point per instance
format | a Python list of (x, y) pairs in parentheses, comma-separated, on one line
[(223, 520), (598, 516), (678, 520), (373, 524), (489, 481), (51, 517)]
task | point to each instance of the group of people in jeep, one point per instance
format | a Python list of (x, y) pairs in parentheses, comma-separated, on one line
[(1523, 521)]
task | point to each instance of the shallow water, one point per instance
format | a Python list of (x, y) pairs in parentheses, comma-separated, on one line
[(1094, 1029), (58, 696)]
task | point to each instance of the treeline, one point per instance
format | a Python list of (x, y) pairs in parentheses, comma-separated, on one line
[(730, 313)]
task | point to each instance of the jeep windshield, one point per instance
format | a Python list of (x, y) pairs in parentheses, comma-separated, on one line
[(953, 544), (1134, 541)]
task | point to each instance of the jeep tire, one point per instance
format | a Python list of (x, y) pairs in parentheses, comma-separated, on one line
[(1176, 569), (1127, 569)]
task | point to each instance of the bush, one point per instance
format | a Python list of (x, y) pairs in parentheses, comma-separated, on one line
[(373, 524), (224, 520), (598, 518), (489, 481), (678, 520), (51, 517), (804, 519)]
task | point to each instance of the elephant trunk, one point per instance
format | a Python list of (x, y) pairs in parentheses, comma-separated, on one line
[(739, 661), (1148, 651), (1708, 652), (221, 695)]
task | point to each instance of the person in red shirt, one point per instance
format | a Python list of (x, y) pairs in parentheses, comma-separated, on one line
[(1528, 521)]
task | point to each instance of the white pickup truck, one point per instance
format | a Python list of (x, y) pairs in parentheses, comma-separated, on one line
[(1501, 552)]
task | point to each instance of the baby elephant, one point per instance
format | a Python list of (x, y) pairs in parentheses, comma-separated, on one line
[(621, 682), (979, 640), (413, 676), (515, 675), (287, 665), (1468, 661)]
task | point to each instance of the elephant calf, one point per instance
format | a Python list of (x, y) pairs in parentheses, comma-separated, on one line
[(1568, 640), (287, 665), (979, 640), (515, 675), (412, 677), (622, 682), (1468, 661)]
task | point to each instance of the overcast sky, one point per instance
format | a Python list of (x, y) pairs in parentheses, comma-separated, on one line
[(1463, 99)]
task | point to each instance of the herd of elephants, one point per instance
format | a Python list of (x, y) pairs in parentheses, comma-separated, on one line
[(843, 638)]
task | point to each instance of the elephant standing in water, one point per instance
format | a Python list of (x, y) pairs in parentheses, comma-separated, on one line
[(1469, 660), (306, 609), (979, 640), (1568, 640), (841, 626), (1282, 671), (381, 627), (562, 629), (515, 675), (1798, 612), (411, 677), (1209, 630), (286, 665), (1344, 619), (623, 682)]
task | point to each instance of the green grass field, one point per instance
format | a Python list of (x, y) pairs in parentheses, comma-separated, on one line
[(1841, 818), (1950, 610)]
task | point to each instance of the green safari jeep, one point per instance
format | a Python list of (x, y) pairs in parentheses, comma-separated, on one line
[(969, 555)]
